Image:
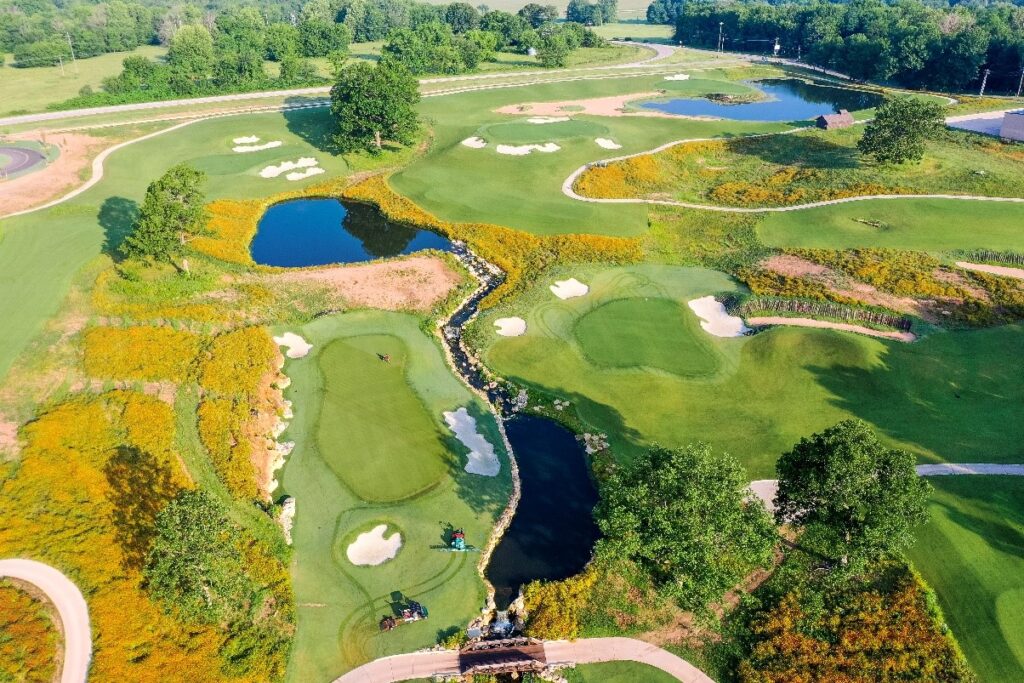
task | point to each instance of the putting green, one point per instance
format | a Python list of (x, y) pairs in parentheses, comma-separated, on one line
[(947, 397), (652, 333), (375, 433), (519, 133), (972, 554), (339, 604), (924, 224)]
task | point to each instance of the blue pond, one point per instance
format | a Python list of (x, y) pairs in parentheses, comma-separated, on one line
[(791, 100), (552, 534), (315, 232)]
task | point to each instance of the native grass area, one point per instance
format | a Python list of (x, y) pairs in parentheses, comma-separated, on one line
[(128, 384)]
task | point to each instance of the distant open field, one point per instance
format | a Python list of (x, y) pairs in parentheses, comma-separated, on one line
[(945, 398), (30, 90), (972, 554)]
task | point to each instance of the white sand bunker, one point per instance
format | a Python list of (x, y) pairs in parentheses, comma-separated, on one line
[(241, 148), (569, 289), (547, 119), (474, 142), (297, 346), (523, 150), (245, 140), (274, 171), (371, 548), (715, 320), (678, 77), (607, 144), (510, 327), (482, 459), (302, 175)]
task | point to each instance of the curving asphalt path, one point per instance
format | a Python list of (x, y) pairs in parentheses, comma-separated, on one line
[(585, 651), (74, 613), (21, 159)]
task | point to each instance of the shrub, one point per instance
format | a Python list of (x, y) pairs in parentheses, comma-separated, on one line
[(222, 429), (556, 607), (28, 638), (232, 226), (140, 353), (237, 361)]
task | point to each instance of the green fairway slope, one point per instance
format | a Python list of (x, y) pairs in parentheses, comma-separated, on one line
[(340, 383), (924, 224), (972, 554), (617, 672), (947, 397)]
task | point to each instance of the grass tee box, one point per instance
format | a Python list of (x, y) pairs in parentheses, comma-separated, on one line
[(372, 448), (972, 554), (945, 398)]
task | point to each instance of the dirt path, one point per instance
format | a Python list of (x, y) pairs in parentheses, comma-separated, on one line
[(845, 327), (71, 606), (1005, 271)]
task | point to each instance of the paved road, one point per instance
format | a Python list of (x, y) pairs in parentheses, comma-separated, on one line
[(74, 613), (585, 651), (20, 159), (765, 489), (660, 52)]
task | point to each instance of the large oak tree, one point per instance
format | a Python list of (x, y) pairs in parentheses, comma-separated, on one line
[(372, 104)]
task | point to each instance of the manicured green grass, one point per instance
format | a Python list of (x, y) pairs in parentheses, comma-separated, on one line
[(924, 224), (479, 185), (947, 397), (338, 603), (374, 431), (635, 30), (617, 672), (30, 90), (972, 554), (521, 132), (651, 333)]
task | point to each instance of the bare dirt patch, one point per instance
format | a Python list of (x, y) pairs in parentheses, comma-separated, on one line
[(1005, 271), (77, 151), (597, 106), (794, 266), (416, 283), (844, 327)]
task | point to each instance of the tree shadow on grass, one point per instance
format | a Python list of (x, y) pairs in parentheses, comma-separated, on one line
[(988, 525), (116, 217), (314, 125)]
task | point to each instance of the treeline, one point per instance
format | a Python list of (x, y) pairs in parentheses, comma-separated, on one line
[(908, 43)]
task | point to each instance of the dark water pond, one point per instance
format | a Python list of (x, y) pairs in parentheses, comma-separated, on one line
[(553, 532), (315, 232), (791, 100)]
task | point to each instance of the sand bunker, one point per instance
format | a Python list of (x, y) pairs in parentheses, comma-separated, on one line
[(598, 106), (257, 148), (523, 150), (474, 142), (297, 346), (678, 77), (246, 139), (843, 327), (714, 319), (569, 289), (766, 490), (302, 175), (607, 144), (482, 459), (274, 171), (510, 327), (371, 548), (547, 119)]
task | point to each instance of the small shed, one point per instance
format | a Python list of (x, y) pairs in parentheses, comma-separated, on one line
[(1013, 126), (843, 119)]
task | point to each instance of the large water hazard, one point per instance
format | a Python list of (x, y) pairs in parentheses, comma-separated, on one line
[(317, 232)]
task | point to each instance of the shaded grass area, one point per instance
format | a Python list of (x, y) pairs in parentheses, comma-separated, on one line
[(945, 398), (617, 672), (375, 433), (972, 554), (924, 224), (339, 604), (478, 185)]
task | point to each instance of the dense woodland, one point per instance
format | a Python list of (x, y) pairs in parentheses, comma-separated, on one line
[(908, 43)]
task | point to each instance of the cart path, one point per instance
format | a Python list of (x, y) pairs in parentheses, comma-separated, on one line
[(584, 651), (71, 606), (1005, 271), (765, 489), (20, 159)]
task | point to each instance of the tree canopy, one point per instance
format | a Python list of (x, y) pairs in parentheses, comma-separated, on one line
[(900, 129), (372, 104), (857, 499), (683, 515), (171, 214)]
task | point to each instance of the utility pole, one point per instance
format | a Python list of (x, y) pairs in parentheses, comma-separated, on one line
[(1020, 85), (720, 41), (61, 60), (777, 48), (72, 48), (984, 80)]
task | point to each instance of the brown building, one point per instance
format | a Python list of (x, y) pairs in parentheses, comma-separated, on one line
[(843, 119)]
